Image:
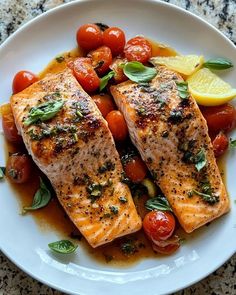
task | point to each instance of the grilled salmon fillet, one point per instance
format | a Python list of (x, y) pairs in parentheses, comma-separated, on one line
[(172, 138), (76, 151)]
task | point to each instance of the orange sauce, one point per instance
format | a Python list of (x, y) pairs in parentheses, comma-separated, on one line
[(53, 217)]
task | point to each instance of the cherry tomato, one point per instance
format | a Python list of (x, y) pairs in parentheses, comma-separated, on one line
[(22, 80), (104, 103), (89, 37), (85, 74), (19, 167), (9, 128), (220, 118), (114, 38), (117, 125), (101, 59), (169, 249), (220, 144), (159, 225), (135, 169), (138, 49), (116, 67)]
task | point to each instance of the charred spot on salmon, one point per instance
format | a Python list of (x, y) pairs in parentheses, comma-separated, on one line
[(176, 117), (123, 200), (165, 134), (107, 166)]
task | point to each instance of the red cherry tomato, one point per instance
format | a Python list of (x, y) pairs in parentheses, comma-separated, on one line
[(135, 169), (19, 168), (114, 38), (138, 49), (101, 59), (89, 37), (220, 118), (85, 74), (116, 67), (9, 128), (104, 103), (220, 144), (159, 225), (117, 125), (22, 80)]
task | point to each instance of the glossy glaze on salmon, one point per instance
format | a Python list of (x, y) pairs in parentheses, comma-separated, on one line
[(76, 151), (172, 138)]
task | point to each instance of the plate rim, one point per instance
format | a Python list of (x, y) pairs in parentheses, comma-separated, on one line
[(75, 3)]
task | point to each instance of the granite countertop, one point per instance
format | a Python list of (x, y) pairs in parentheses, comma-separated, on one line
[(14, 13)]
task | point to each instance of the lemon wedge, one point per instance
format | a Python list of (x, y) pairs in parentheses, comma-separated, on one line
[(183, 64), (208, 89)]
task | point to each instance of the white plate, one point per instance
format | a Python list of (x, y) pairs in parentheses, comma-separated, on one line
[(32, 47)]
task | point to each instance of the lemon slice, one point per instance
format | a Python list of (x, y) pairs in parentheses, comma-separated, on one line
[(208, 89), (186, 65)]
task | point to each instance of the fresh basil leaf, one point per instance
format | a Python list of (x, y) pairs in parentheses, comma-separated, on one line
[(104, 80), (63, 247), (158, 203), (44, 111), (200, 160), (183, 89), (139, 73), (208, 198), (219, 63), (60, 58), (41, 198), (2, 172), (232, 143)]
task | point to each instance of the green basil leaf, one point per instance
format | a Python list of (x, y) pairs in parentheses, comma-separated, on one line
[(2, 172), (63, 247), (41, 198), (232, 143), (200, 160), (104, 80), (218, 64), (139, 73), (44, 111), (183, 89), (158, 203), (208, 198), (60, 59)]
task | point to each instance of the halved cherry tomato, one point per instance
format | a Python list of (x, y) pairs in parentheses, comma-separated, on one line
[(138, 49), (9, 128), (85, 74), (104, 103), (159, 225), (135, 169), (117, 125), (19, 167), (114, 38), (220, 118), (89, 37), (116, 67), (101, 59), (22, 80), (220, 144)]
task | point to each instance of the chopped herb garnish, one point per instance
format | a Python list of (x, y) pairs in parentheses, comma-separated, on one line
[(128, 248), (2, 172), (176, 116), (95, 190), (63, 247), (60, 58), (232, 143), (13, 173), (114, 209), (165, 134), (183, 90), (123, 200), (107, 166), (139, 73), (200, 160), (208, 198), (43, 112), (105, 79), (158, 203), (79, 114), (219, 63)]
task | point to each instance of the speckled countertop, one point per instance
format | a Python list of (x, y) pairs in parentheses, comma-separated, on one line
[(14, 13)]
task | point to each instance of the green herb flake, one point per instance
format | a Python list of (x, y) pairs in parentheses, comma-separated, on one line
[(200, 160), (2, 172), (218, 63), (208, 198), (60, 59), (139, 73), (63, 247), (128, 248), (114, 209), (232, 143), (105, 79), (43, 112), (158, 203), (41, 198), (123, 200), (183, 89)]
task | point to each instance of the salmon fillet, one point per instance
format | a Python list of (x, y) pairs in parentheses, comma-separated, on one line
[(76, 151), (172, 138)]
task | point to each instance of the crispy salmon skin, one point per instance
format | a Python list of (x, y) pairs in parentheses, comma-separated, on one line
[(76, 151), (172, 138)]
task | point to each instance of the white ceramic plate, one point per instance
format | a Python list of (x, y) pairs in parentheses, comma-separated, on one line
[(32, 47)]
